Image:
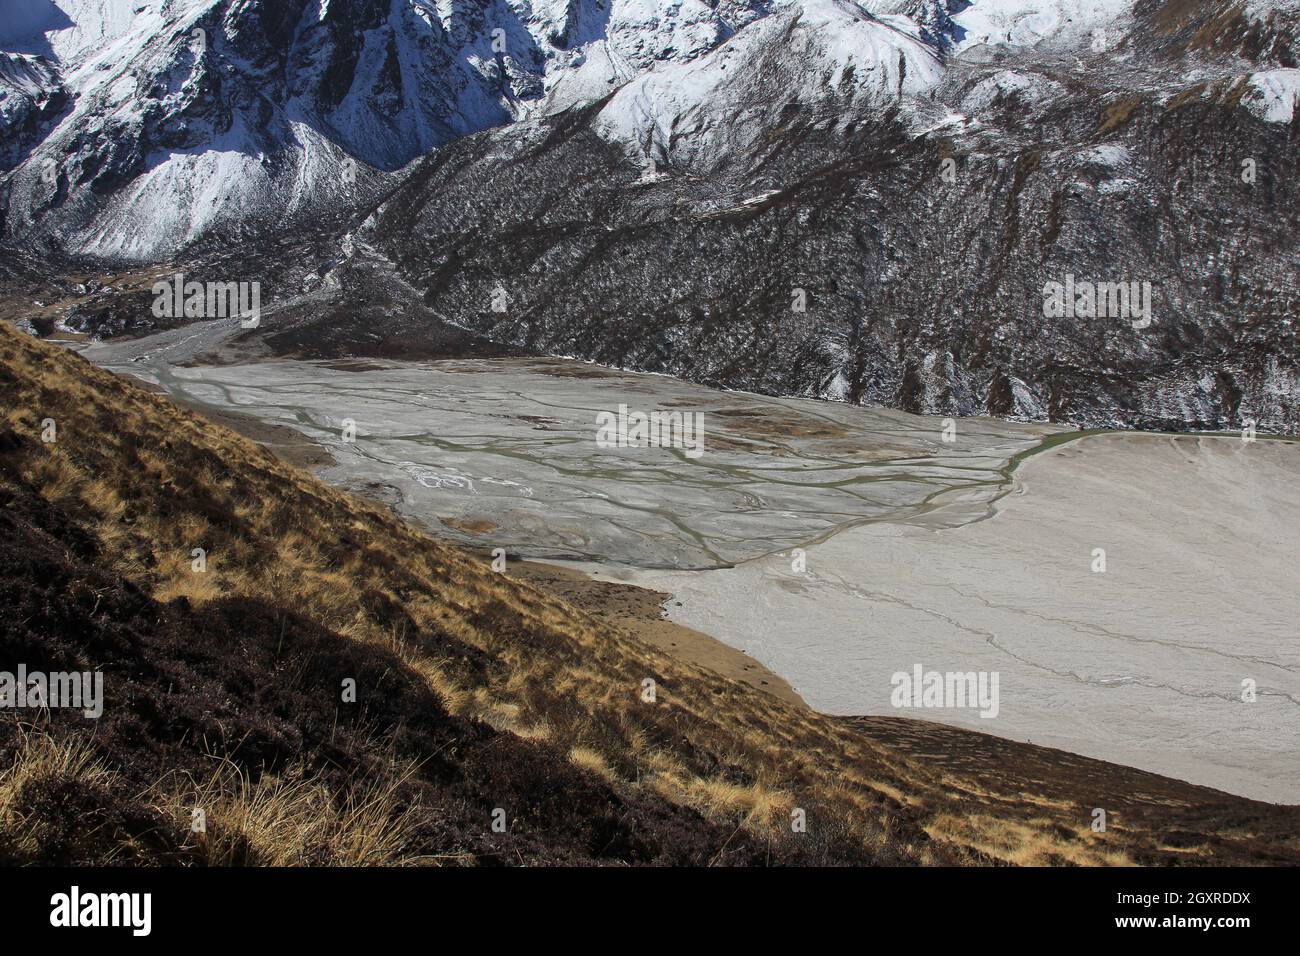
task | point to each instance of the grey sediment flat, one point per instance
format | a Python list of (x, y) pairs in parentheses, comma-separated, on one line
[(1142, 664), (510, 444)]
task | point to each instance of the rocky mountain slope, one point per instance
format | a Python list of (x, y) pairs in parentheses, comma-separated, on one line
[(862, 201)]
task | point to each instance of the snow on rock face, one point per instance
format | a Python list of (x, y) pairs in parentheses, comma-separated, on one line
[(1029, 22), (642, 31), (1025, 405), (832, 53), (1259, 9), (67, 30), (1273, 95), (193, 115), (281, 107), (25, 23), (604, 44), (1010, 85), (30, 96)]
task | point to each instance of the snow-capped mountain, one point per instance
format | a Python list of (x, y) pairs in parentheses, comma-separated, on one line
[(695, 115), (654, 182), (191, 117)]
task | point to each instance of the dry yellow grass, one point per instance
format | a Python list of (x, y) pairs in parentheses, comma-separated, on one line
[(42, 758), (291, 820), (1027, 843), (591, 760), (277, 821)]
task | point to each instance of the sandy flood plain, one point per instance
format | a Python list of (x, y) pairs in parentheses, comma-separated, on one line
[(1141, 664)]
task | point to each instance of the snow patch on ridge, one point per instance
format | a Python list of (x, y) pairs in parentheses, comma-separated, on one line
[(812, 51), (1273, 95), (1030, 22), (1027, 88)]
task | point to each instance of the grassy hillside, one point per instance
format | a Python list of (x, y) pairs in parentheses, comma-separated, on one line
[(474, 691)]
